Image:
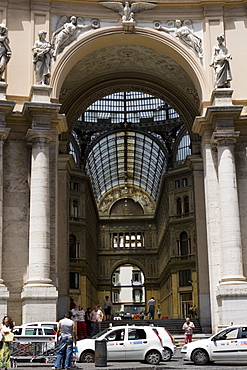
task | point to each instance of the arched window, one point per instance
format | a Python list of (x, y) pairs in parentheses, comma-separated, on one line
[(72, 246), (75, 208), (184, 244), (186, 205), (183, 148), (179, 206)]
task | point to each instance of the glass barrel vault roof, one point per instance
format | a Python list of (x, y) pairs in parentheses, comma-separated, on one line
[(126, 158)]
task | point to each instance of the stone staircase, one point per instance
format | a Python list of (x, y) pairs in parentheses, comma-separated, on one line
[(174, 326)]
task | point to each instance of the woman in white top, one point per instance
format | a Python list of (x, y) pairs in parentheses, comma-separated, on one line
[(6, 327)]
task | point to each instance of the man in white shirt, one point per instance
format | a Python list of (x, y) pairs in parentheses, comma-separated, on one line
[(96, 317), (188, 327)]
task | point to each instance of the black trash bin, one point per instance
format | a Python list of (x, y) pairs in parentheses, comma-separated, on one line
[(100, 353)]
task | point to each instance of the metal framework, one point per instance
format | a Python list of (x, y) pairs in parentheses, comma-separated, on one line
[(128, 139)]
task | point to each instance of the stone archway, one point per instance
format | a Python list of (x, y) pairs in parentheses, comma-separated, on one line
[(152, 64)]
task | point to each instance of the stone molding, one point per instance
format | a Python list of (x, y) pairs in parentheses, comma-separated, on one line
[(40, 135)]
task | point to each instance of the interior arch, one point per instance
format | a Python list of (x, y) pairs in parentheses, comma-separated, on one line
[(155, 44)]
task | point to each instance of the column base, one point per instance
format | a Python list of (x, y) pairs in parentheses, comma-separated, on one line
[(230, 298), (4, 294), (39, 303)]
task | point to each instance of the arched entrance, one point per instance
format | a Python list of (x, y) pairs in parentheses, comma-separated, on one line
[(128, 291), (85, 74)]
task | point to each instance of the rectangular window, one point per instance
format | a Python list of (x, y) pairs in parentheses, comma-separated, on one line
[(137, 295), (185, 278), (136, 276), (74, 280), (127, 240), (115, 296), (76, 186), (185, 182), (177, 184)]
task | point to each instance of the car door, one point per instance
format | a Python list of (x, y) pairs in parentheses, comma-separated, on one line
[(116, 344), (136, 344), (242, 344), (224, 345)]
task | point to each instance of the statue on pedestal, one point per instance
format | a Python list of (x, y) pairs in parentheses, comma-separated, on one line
[(42, 59), (5, 51), (221, 65)]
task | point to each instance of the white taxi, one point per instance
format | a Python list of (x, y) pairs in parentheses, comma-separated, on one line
[(124, 343), (229, 344)]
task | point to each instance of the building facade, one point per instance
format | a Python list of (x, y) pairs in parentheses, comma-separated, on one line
[(84, 190)]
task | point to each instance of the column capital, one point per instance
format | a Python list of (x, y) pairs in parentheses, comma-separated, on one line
[(40, 114), (40, 135), (219, 139)]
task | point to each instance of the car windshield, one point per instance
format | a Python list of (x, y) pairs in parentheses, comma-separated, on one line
[(101, 333)]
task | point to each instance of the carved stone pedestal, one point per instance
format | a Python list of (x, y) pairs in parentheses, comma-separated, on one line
[(40, 93)]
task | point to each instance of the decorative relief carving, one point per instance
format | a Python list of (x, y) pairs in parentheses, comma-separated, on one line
[(68, 30), (183, 30), (137, 195), (127, 11)]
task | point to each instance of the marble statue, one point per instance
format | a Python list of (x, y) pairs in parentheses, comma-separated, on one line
[(68, 31), (184, 33), (5, 51), (42, 59), (221, 65), (126, 10)]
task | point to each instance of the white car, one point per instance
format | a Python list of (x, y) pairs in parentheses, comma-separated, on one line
[(33, 331), (229, 344), (124, 343), (168, 342), (45, 324)]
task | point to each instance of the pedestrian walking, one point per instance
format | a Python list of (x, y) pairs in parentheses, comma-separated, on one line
[(188, 327), (151, 303), (66, 332)]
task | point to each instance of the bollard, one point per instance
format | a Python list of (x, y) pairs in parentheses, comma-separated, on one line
[(100, 353)]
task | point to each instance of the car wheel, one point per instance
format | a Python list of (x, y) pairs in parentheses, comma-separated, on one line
[(167, 354), (200, 357), (153, 357), (87, 356)]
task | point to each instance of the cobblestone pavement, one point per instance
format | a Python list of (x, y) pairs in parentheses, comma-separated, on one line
[(175, 363)]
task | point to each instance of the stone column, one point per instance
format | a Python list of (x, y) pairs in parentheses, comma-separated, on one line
[(6, 107), (228, 286), (39, 295), (232, 267), (39, 229)]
